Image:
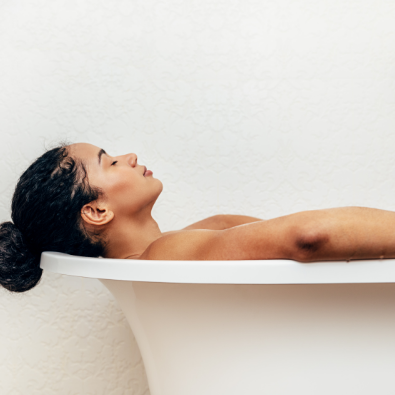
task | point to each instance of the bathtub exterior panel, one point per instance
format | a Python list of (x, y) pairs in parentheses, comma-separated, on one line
[(262, 339)]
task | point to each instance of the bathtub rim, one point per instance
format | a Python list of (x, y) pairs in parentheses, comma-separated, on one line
[(221, 272)]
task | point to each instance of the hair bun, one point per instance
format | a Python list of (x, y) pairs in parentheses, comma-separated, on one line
[(19, 267)]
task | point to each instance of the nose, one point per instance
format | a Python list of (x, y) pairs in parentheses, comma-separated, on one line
[(132, 159)]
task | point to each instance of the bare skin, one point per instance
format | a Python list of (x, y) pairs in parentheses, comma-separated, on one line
[(125, 215)]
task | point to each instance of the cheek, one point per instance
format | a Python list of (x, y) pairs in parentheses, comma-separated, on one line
[(127, 192), (123, 187)]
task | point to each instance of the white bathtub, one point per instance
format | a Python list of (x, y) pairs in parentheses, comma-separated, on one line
[(254, 327)]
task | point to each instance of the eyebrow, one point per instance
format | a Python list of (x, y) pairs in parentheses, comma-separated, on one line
[(100, 153)]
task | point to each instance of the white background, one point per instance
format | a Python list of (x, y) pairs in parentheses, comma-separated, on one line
[(261, 108)]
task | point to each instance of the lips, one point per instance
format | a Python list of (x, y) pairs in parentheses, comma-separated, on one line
[(147, 172)]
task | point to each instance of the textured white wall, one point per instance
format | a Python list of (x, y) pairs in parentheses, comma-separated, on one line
[(256, 107)]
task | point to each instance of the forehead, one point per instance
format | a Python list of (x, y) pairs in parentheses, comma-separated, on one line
[(84, 151)]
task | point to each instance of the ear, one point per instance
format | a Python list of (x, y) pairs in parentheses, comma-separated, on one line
[(96, 214)]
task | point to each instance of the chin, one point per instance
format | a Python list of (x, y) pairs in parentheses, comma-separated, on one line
[(160, 186)]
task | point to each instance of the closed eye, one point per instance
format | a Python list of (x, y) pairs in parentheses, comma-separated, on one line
[(113, 163)]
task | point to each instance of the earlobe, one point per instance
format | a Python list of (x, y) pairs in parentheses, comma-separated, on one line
[(94, 215)]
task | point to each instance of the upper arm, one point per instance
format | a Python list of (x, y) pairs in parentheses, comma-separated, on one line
[(272, 239), (215, 222), (222, 221)]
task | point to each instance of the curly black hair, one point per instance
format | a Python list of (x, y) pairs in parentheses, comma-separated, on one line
[(46, 214)]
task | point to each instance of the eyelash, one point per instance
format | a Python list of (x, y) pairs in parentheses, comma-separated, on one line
[(114, 162)]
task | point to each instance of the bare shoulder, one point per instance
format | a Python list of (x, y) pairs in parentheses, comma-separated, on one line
[(182, 245), (271, 239)]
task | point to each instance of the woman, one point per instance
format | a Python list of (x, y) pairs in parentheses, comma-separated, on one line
[(79, 200)]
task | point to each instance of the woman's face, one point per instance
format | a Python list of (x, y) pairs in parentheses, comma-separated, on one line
[(122, 179)]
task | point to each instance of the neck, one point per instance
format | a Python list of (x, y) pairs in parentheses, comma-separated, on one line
[(129, 238)]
